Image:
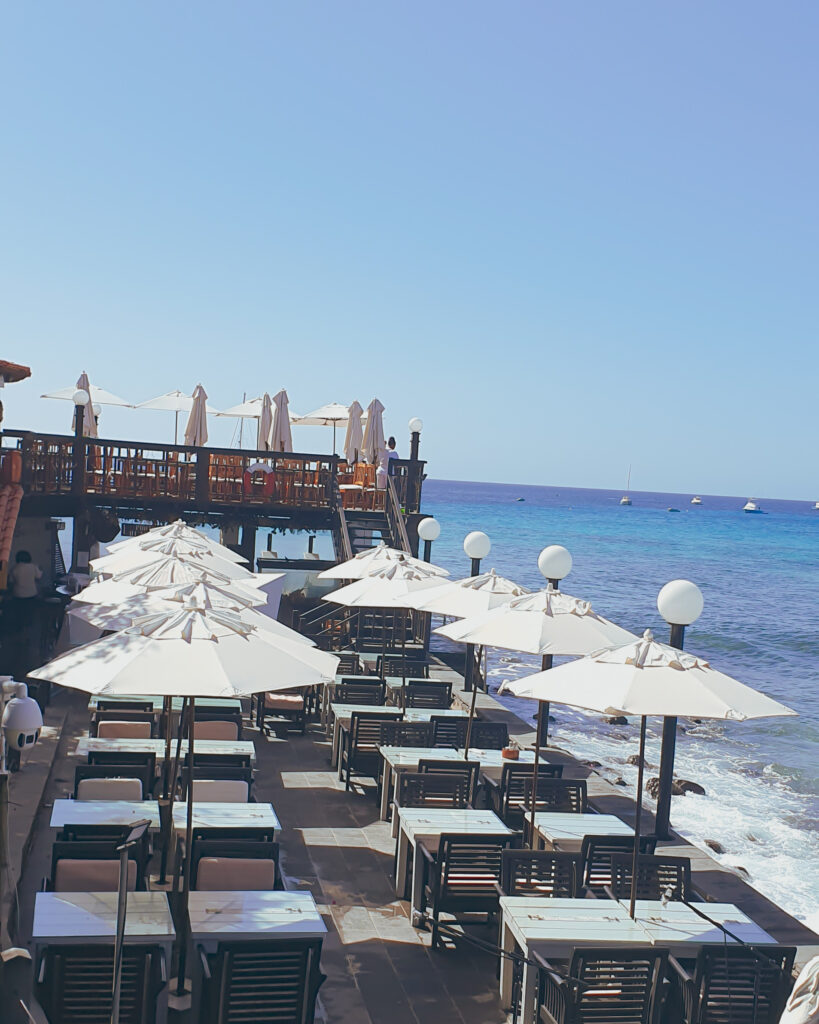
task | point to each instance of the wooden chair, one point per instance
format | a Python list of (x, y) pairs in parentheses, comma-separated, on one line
[(290, 708), (597, 853), (124, 730), (470, 770), (217, 729), (657, 878), (603, 985), (463, 877), (74, 983), (448, 731), (423, 789), (348, 664), (78, 866), (235, 864), (540, 873), (127, 706), (396, 663), (272, 980), (511, 796), (374, 694), (218, 772), (109, 789), (406, 734), (489, 735), (426, 693), (360, 754), (732, 984), (85, 772), (221, 791)]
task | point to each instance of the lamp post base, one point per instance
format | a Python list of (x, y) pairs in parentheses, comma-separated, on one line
[(180, 1002)]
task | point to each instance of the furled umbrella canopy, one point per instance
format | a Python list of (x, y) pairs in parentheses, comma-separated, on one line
[(354, 438), (281, 439), (196, 431), (374, 443), (365, 563), (265, 424)]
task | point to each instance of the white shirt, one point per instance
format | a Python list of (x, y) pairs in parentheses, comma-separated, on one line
[(24, 576)]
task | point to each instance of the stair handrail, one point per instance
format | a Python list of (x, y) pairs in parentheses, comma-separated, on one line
[(346, 544), (395, 517)]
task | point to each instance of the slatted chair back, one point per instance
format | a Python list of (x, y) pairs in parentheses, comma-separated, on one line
[(246, 853), (220, 791), (360, 754), (657, 878), (262, 981), (360, 693), (124, 705), (348, 664), (122, 758), (448, 731), (217, 729), (616, 985), (540, 873), (420, 789), (397, 664), (217, 771), (109, 789), (219, 760), (489, 735), (237, 832), (91, 866), (516, 786), (406, 734), (470, 770), (74, 983), (121, 715), (124, 729), (85, 772), (733, 986), (597, 853), (427, 693)]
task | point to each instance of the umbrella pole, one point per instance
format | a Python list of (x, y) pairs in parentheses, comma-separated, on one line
[(471, 718), (166, 845), (176, 427), (637, 816), (543, 720), (166, 775), (535, 772), (186, 880)]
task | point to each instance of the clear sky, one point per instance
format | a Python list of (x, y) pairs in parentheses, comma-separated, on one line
[(570, 236)]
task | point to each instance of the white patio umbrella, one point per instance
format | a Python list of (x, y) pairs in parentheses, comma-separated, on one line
[(281, 440), (365, 563), (175, 402), (177, 530), (191, 651), (471, 596), (131, 558), (354, 438), (196, 431), (644, 678), (168, 571), (389, 588), (374, 442), (330, 415), (98, 396), (249, 409)]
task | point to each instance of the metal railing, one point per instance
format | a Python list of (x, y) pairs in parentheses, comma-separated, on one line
[(395, 518)]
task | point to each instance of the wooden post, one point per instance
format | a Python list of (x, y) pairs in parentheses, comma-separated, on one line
[(202, 477)]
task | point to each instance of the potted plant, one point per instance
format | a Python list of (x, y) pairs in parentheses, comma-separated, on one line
[(511, 752)]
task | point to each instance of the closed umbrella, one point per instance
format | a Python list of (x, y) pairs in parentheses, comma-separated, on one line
[(175, 402), (265, 424), (374, 443), (281, 439), (192, 651), (330, 415), (196, 431), (354, 438), (365, 563), (644, 678)]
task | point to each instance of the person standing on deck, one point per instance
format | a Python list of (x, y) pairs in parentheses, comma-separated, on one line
[(385, 463), (23, 585)]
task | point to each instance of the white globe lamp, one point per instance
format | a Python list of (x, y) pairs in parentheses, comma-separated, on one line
[(429, 529), (477, 545), (97, 409), (416, 425), (680, 602), (555, 563), (81, 397)]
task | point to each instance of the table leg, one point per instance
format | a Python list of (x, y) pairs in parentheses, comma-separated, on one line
[(386, 786), (334, 755), (417, 884), (401, 864), (528, 993), (506, 968)]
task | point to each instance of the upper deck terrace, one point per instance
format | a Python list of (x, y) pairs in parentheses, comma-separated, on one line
[(62, 474)]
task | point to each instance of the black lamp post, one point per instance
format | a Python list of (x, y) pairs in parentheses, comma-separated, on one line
[(476, 547), (429, 530), (555, 563), (680, 603)]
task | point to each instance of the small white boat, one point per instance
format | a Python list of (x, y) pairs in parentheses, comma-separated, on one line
[(751, 506), (696, 500), (626, 500), (816, 506)]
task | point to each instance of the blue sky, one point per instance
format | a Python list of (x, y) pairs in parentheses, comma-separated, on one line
[(569, 236)]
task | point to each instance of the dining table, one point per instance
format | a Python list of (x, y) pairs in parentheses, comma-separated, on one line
[(558, 830), (104, 812), (144, 745), (555, 927), (249, 916), (342, 716)]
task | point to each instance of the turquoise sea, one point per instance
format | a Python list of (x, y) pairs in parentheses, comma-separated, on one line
[(759, 575)]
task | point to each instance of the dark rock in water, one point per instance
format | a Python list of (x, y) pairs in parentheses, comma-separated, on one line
[(590, 764), (741, 871), (551, 719), (681, 728), (635, 760), (685, 786), (617, 720), (618, 782), (653, 787), (751, 838), (712, 844)]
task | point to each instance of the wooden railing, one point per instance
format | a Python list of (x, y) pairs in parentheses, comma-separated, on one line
[(408, 476), (55, 464), (398, 528)]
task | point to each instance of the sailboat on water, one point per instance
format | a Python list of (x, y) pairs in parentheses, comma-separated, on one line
[(626, 500)]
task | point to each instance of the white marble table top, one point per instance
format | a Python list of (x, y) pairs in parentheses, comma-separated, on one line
[(232, 704), (344, 712), (104, 812), (495, 758), (95, 744), (408, 757), (254, 915), (568, 830), (79, 917), (430, 822), (565, 924), (226, 815)]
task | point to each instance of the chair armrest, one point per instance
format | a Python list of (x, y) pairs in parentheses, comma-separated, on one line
[(555, 993), (163, 967), (678, 967), (428, 855), (41, 969), (203, 959)]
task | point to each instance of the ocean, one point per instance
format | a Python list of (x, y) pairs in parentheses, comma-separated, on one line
[(759, 575)]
